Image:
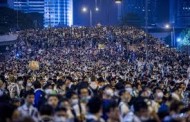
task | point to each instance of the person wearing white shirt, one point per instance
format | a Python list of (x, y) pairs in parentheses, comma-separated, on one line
[(123, 105), (27, 109), (188, 72)]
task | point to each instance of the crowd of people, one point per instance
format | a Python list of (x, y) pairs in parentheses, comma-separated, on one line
[(94, 74)]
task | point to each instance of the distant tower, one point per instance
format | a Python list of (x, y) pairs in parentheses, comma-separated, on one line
[(28, 6), (58, 13), (180, 12), (138, 7)]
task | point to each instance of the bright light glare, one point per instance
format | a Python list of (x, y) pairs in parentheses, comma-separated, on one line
[(167, 26), (97, 9), (84, 9), (178, 39), (118, 2)]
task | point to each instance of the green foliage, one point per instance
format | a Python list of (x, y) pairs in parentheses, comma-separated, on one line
[(8, 20), (185, 36)]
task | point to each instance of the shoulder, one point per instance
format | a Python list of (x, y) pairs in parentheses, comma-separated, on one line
[(22, 108), (33, 108)]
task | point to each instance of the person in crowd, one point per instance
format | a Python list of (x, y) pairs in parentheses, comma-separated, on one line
[(112, 111), (46, 113), (95, 109), (27, 109), (13, 87), (8, 113), (141, 112), (124, 108), (61, 115), (39, 95), (3, 90), (64, 103), (115, 74), (53, 100)]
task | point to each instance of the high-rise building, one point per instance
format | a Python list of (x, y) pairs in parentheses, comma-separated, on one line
[(139, 7), (56, 12), (180, 12), (29, 6), (183, 13)]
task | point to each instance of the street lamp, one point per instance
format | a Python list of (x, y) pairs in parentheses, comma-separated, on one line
[(96, 9), (178, 39), (84, 9), (168, 26), (118, 1)]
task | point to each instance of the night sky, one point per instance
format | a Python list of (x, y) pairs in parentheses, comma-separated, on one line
[(3, 1), (108, 12)]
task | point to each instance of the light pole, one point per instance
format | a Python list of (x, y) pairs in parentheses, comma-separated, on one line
[(84, 9), (168, 26), (146, 29), (118, 2), (174, 40), (17, 16)]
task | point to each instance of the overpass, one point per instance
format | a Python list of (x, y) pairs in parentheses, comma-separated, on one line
[(8, 39)]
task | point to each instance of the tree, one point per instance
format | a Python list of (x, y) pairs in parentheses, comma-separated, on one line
[(8, 20), (185, 37), (184, 44)]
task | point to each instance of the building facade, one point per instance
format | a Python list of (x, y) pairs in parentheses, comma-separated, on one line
[(183, 13), (139, 7), (180, 12), (56, 12), (29, 6)]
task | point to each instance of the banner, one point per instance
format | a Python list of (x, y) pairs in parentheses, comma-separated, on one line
[(34, 65), (101, 46)]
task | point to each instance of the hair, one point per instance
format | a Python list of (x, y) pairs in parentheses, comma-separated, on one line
[(30, 92), (106, 86), (119, 86), (61, 101), (83, 85), (175, 105), (36, 84), (69, 94), (47, 85), (100, 80), (140, 104), (93, 78), (112, 105), (121, 92), (94, 105), (46, 110), (59, 83), (60, 108), (52, 95), (6, 111), (69, 78)]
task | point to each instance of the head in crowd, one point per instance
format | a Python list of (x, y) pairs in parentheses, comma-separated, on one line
[(93, 74)]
